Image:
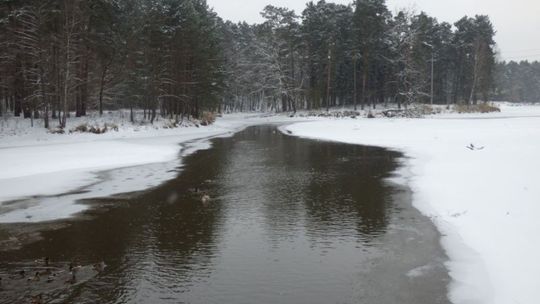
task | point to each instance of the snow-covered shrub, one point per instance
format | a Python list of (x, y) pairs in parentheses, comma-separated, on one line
[(170, 124), (95, 129), (56, 130), (428, 110), (111, 127), (333, 114), (208, 118), (83, 128), (488, 108)]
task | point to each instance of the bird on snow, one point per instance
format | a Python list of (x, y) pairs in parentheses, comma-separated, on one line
[(472, 147)]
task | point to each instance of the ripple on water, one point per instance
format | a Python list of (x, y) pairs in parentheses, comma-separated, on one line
[(289, 221)]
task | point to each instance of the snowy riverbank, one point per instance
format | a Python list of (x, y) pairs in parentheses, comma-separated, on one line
[(485, 202), (38, 166)]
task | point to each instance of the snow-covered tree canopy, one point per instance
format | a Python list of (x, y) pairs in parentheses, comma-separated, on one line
[(177, 57)]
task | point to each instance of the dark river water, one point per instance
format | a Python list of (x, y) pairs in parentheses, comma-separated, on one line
[(289, 221)]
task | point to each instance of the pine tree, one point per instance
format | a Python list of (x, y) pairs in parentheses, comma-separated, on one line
[(370, 25)]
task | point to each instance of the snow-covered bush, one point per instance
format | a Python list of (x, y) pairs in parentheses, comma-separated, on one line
[(95, 129), (56, 130)]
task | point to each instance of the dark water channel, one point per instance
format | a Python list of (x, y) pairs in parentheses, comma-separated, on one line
[(290, 221)]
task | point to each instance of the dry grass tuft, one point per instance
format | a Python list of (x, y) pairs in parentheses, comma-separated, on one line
[(479, 108), (208, 118)]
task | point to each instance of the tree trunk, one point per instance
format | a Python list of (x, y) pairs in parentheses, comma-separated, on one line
[(472, 98), (293, 104), (84, 85), (66, 85), (355, 93), (78, 102), (328, 83), (154, 114), (364, 79), (2, 106), (18, 103), (44, 100), (101, 88)]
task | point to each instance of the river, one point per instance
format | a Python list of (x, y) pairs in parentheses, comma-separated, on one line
[(289, 220)]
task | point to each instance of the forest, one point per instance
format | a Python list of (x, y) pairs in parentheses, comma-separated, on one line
[(178, 58), (517, 81)]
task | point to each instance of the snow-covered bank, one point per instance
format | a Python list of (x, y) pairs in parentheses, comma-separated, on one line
[(485, 202), (37, 167)]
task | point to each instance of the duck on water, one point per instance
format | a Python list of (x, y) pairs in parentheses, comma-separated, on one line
[(33, 287)]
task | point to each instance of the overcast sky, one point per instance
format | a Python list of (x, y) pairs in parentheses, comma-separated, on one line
[(517, 22)]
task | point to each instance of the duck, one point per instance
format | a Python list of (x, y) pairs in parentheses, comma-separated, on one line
[(50, 278), (37, 299), (99, 267), (205, 199), (194, 190), (72, 267), (35, 278), (73, 278), (44, 261)]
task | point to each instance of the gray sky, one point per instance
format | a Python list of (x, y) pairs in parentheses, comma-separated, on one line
[(517, 22)]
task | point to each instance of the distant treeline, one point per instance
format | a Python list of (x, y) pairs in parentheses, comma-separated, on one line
[(517, 82), (177, 57), (359, 55)]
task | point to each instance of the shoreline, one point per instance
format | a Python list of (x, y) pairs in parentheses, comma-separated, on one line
[(155, 160), (479, 200), (401, 255), (483, 202)]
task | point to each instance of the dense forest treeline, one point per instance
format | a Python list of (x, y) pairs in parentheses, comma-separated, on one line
[(517, 81), (62, 56), (177, 57)]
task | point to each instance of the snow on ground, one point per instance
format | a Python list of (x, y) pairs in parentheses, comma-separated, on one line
[(43, 175), (485, 202)]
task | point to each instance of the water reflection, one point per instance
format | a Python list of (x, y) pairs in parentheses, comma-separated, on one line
[(289, 221)]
